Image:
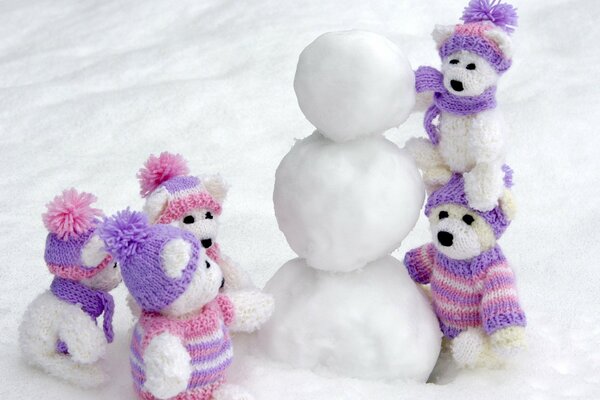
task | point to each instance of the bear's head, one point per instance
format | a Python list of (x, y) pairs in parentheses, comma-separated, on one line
[(476, 53), (165, 268), (74, 250), (460, 232), (188, 202)]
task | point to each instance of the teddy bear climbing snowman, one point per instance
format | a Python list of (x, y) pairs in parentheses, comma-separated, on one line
[(470, 136), (181, 346), (472, 285), (59, 332)]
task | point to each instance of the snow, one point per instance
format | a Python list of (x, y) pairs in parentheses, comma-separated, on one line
[(373, 323), (335, 205), (354, 83), (89, 89)]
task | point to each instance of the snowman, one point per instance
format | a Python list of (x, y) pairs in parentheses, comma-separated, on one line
[(345, 197)]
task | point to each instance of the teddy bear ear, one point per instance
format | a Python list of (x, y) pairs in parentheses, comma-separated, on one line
[(155, 204), (93, 252), (502, 40), (175, 256), (441, 33), (216, 186), (508, 205)]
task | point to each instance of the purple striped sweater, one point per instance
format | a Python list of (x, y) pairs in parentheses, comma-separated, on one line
[(206, 338), (479, 292)]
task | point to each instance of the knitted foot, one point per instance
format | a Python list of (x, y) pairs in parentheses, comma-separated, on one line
[(508, 342), (467, 347), (484, 185), (436, 177), (231, 392)]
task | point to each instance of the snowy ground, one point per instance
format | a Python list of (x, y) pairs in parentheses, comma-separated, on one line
[(89, 89)]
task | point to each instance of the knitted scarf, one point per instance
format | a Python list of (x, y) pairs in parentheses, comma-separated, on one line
[(429, 79), (93, 302)]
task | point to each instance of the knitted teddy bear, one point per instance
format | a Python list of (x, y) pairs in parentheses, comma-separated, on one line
[(191, 203), (180, 347), (59, 333), (472, 285), (470, 135)]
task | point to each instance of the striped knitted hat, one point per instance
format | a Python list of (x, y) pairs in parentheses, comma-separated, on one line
[(453, 192), (137, 246), (485, 22), (165, 180), (71, 221)]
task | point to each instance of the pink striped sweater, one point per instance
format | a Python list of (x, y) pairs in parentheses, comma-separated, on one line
[(206, 339), (479, 292)]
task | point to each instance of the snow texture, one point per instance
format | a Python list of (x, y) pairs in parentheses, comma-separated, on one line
[(353, 83), (336, 203), (89, 89), (373, 323)]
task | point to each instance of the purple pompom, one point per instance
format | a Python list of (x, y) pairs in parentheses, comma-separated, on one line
[(124, 233), (502, 15)]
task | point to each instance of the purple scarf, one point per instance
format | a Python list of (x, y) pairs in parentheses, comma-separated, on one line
[(93, 302), (429, 79)]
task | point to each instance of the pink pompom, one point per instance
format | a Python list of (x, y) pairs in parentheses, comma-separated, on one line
[(158, 170), (70, 214)]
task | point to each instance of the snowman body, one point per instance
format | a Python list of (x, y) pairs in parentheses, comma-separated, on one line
[(344, 203)]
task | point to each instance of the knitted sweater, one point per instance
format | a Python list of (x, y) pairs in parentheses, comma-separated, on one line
[(479, 292), (206, 338)]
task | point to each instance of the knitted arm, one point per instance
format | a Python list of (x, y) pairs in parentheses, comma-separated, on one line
[(500, 307), (419, 263), (84, 339), (252, 308)]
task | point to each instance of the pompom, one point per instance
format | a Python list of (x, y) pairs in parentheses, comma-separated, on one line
[(124, 233), (160, 169), (502, 15), (70, 214)]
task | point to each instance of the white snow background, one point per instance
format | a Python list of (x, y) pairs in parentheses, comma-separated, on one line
[(88, 89)]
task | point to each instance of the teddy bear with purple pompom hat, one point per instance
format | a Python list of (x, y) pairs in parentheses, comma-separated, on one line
[(470, 135)]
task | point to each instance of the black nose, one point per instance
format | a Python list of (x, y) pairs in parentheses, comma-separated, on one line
[(457, 85), (222, 283), (206, 243), (445, 238)]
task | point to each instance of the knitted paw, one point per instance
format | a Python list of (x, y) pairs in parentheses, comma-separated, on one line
[(252, 309), (423, 153), (484, 185), (436, 177), (231, 392), (468, 347), (508, 341)]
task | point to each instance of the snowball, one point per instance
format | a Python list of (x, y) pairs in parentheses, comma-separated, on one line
[(343, 205), (354, 83), (373, 323)]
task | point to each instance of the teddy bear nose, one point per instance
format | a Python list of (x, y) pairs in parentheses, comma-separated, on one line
[(457, 85), (206, 243), (445, 238)]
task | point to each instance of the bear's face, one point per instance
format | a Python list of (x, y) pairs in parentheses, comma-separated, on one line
[(204, 285), (467, 74), (202, 223), (459, 233)]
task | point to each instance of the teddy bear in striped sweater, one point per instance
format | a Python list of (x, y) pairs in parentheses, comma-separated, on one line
[(472, 285)]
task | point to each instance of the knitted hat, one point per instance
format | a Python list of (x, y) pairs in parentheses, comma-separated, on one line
[(71, 221), (486, 24), (164, 179), (453, 192), (137, 246)]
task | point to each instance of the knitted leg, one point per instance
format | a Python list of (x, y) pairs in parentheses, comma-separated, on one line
[(231, 392), (484, 185)]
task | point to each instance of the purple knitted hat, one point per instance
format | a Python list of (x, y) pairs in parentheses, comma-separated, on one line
[(480, 17), (453, 192), (184, 193), (137, 246), (71, 221)]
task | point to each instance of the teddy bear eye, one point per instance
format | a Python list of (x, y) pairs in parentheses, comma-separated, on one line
[(207, 265), (443, 214), (189, 219), (454, 61), (468, 219), (471, 66), (208, 215), (115, 266)]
